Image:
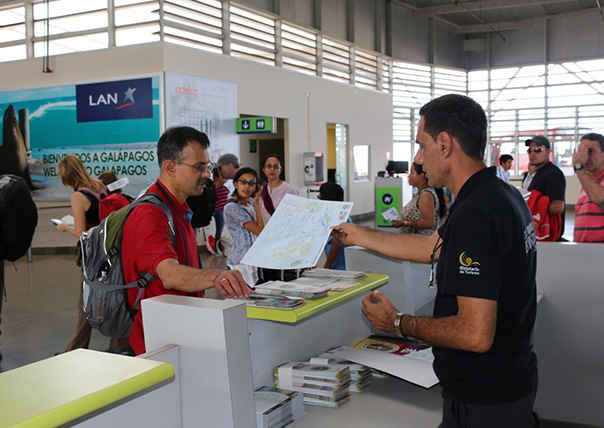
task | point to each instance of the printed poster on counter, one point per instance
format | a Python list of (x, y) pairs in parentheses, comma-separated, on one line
[(110, 125)]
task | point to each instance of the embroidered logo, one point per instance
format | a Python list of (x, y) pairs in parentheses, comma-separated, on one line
[(467, 265)]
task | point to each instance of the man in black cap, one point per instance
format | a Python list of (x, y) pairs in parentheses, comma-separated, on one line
[(545, 177)]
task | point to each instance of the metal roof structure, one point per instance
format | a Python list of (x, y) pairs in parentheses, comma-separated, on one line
[(478, 16)]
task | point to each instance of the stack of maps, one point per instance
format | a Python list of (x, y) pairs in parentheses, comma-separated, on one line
[(276, 408), (360, 375), (321, 384)]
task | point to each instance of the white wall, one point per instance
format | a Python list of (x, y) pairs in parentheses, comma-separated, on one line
[(307, 102)]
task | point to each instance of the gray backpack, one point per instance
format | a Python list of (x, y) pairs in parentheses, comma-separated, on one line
[(105, 293)]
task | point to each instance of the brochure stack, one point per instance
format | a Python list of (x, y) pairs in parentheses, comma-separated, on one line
[(321, 384), (276, 408)]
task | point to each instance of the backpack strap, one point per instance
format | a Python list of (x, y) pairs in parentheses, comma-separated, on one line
[(146, 277), (90, 191)]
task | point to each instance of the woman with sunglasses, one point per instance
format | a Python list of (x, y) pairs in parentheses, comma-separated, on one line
[(243, 218), (276, 188)]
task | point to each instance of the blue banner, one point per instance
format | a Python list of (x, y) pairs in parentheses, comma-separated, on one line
[(124, 99)]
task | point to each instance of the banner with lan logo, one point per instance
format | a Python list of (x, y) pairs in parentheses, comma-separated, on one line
[(124, 99)]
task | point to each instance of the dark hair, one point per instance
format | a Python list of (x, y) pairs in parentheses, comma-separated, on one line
[(442, 204), (238, 174), (460, 116), (331, 191), (504, 158), (175, 139), (419, 168), (108, 177), (275, 155), (595, 137)]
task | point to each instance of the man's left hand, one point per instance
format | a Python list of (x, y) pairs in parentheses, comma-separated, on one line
[(379, 311), (230, 283)]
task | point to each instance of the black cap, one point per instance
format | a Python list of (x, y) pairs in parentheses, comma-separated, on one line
[(539, 140)]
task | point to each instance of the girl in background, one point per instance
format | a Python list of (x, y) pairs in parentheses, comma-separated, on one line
[(244, 220)]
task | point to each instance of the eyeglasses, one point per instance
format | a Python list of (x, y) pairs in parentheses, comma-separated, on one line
[(273, 166), (536, 150), (201, 169), (247, 183)]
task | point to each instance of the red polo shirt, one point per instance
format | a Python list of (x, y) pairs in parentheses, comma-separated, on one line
[(146, 243)]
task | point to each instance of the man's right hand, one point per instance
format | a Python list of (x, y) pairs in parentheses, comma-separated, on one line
[(348, 233), (230, 283)]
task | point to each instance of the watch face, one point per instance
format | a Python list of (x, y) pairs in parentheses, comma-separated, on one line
[(578, 166)]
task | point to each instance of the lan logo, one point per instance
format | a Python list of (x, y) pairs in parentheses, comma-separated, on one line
[(101, 101)]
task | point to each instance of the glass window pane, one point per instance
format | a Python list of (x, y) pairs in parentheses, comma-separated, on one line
[(73, 44), (134, 36), (361, 163), (13, 53)]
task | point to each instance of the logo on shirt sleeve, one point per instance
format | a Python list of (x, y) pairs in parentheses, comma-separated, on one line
[(467, 265)]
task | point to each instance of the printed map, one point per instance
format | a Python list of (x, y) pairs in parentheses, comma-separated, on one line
[(296, 234)]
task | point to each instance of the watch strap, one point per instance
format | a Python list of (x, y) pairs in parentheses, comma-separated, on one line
[(397, 324)]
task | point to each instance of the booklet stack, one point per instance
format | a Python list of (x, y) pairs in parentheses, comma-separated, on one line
[(276, 408), (321, 384), (274, 302), (360, 375), (292, 288), (334, 273)]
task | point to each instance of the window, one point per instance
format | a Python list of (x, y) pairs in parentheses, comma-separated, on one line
[(361, 163)]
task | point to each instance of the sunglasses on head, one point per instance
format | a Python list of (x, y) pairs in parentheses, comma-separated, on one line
[(536, 150)]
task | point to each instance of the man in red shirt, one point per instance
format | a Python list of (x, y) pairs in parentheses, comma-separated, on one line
[(588, 162), (184, 162)]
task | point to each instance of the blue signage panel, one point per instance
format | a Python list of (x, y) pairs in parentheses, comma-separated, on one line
[(124, 99)]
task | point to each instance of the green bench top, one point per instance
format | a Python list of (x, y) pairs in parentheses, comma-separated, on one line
[(60, 389)]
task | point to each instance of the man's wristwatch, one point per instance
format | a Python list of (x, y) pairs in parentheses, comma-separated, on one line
[(578, 166), (397, 324)]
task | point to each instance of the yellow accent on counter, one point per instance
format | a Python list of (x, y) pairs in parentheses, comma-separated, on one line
[(313, 306), (60, 389)]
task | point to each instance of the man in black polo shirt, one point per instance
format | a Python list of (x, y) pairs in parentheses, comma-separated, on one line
[(546, 178), (486, 303)]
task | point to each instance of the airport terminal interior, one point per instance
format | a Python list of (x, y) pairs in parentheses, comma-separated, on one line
[(335, 88)]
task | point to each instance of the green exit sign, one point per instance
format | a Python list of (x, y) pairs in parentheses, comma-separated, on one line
[(257, 125)]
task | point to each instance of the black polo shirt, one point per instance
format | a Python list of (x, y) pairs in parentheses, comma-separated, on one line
[(489, 252), (550, 181)]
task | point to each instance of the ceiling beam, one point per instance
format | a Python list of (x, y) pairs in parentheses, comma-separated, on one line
[(500, 26), (480, 5), (516, 25), (413, 8)]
